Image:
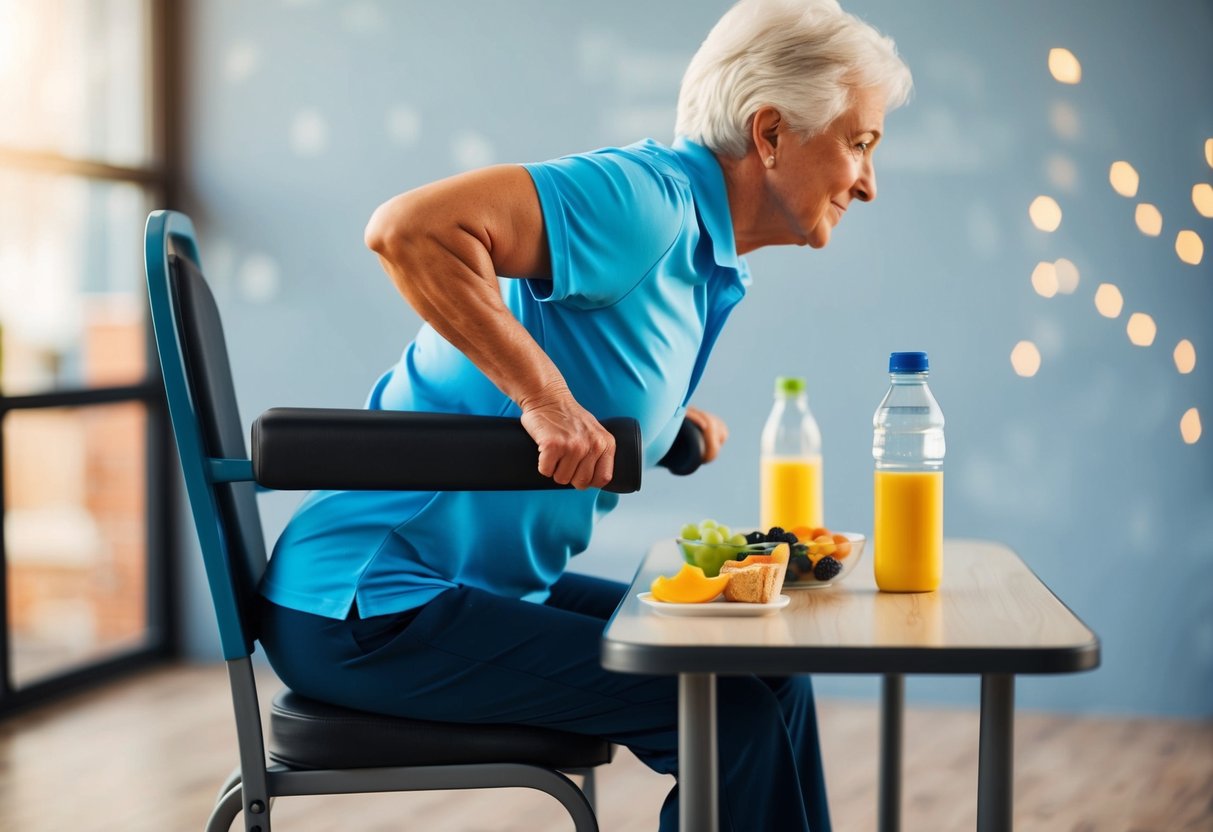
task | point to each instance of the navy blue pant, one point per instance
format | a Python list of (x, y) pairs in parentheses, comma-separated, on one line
[(471, 656)]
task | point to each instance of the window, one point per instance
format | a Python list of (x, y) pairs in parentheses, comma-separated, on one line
[(85, 154)]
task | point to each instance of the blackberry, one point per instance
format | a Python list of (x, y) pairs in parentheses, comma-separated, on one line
[(801, 565), (790, 537), (800, 550), (755, 537), (826, 569), (775, 534)]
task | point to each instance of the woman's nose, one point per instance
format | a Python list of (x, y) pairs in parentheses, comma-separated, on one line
[(865, 186)]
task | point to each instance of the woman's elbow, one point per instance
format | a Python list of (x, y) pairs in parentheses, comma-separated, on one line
[(389, 226)]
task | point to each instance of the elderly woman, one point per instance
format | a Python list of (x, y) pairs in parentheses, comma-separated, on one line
[(563, 292)]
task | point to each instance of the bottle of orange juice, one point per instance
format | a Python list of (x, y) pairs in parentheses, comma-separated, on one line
[(790, 478), (907, 541)]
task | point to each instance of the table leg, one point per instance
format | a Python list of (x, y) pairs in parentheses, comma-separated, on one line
[(892, 709), (697, 754), (996, 760)]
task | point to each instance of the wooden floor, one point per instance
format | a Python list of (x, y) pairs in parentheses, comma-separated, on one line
[(149, 754)]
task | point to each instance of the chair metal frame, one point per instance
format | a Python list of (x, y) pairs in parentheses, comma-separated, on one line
[(253, 785)]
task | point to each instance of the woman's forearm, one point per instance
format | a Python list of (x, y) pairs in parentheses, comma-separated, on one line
[(448, 278), (444, 268)]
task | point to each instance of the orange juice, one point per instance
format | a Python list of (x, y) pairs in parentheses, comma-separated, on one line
[(907, 543), (790, 491)]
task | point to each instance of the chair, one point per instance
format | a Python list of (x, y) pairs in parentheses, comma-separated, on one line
[(314, 747)]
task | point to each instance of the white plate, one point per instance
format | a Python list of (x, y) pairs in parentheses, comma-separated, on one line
[(719, 607)]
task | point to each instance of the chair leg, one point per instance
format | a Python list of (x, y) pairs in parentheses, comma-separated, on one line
[(233, 779), (579, 803), (587, 786), (225, 811)]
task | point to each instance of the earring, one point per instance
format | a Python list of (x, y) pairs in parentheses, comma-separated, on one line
[(770, 161)]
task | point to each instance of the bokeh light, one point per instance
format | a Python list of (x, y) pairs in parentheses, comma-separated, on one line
[(1141, 329), (1149, 219), (471, 149), (362, 18), (1189, 426), (1044, 279), (1064, 119), (1189, 247), (1025, 359), (1124, 178), (403, 125), (1061, 172), (241, 61), (1202, 198), (309, 132), (1209, 152), (1064, 66), (1045, 213), (1185, 356), (1108, 300), (259, 278), (1067, 276)]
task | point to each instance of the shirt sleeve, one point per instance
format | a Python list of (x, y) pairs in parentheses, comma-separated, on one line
[(609, 218)]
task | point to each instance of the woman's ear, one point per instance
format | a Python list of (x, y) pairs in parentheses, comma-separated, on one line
[(764, 129)]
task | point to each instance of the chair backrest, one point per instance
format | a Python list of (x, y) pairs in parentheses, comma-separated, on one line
[(206, 424)]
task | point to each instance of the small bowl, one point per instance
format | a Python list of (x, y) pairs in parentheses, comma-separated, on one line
[(799, 577), (711, 556)]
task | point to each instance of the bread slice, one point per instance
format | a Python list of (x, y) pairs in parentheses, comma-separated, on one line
[(758, 583)]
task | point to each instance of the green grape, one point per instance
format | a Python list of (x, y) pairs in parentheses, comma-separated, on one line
[(712, 536), (738, 539), (707, 524), (725, 532), (690, 532)]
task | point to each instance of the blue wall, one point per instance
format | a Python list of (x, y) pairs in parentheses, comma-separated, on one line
[(303, 116)]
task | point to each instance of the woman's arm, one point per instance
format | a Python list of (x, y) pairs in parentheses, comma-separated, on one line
[(444, 245)]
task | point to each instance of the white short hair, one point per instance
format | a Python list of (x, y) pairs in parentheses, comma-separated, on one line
[(802, 57)]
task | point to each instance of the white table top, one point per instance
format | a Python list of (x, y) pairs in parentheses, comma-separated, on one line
[(991, 615)]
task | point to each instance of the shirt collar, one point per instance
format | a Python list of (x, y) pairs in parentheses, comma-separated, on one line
[(711, 198)]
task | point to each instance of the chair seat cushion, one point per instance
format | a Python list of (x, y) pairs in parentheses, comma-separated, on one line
[(306, 734)]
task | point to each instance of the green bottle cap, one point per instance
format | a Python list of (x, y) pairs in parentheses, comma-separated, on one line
[(790, 385)]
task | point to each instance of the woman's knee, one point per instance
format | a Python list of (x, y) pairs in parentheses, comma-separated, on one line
[(588, 595)]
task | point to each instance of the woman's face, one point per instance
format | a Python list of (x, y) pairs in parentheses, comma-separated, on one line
[(811, 185)]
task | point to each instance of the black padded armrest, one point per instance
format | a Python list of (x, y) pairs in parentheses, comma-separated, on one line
[(369, 450)]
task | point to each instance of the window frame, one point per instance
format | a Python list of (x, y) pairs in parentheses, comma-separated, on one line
[(159, 180)]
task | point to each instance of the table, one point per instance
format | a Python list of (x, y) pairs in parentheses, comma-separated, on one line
[(992, 616)]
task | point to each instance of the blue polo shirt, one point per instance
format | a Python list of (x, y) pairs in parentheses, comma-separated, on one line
[(644, 274)]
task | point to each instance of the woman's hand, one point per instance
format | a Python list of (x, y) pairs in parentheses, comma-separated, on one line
[(573, 446), (715, 431)]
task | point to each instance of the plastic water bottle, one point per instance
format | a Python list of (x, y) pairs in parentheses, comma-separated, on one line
[(790, 473), (908, 446)]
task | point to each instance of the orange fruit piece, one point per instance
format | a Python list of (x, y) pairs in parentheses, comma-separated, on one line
[(822, 545), (780, 554), (842, 546), (803, 533), (688, 586)]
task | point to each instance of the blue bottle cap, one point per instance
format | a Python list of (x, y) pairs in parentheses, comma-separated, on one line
[(908, 362)]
